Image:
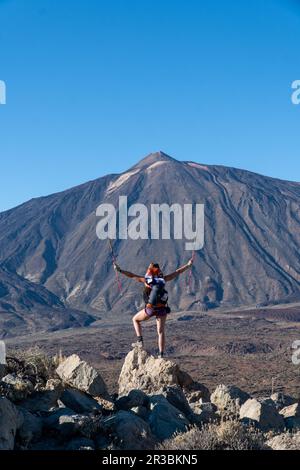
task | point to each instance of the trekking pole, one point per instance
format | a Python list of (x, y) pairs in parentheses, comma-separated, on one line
[(189, 280), (114, 258)]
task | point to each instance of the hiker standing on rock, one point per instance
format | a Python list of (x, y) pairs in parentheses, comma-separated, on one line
[(156, 299)]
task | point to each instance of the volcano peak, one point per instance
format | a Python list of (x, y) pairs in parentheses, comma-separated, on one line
[(154, 157)]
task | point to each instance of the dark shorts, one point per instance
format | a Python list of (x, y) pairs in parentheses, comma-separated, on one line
[(156, 312)]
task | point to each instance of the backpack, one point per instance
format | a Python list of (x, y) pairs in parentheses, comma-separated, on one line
[(155, 293)]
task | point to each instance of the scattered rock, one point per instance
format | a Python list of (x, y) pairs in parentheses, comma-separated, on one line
[(262, 413), (245, 347), (79, 401), (107, 404), (10, 421), (205, 413), (185, 318), (285, 441), (281, 400), (194, 398), (291, 416), (195, 391), (82, 376), (165, 419), (291, 411), (129, 431), (134, 398), (17, 388), (54, 385), (228, 399), (156, 400)]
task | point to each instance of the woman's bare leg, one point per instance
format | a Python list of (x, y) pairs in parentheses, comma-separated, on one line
[(160, 323), (137, 319)]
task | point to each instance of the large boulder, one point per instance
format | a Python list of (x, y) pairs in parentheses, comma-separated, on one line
[(47, 443), (133, 399), (285, 441), (262, 413), (10, 421), (165, 419), (145, 372), (101, 442), (141, 411), (44, 400), (79, 401), (80, 375), (80, 443), (174, 394), (83, 425), (51, 421), (68, 424), (128, 431), (31, 429), (291, 416), (228, 399)]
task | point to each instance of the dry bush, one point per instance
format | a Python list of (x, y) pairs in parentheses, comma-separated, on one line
[(235, 436), (229, 435), (59, 358), (194, 439), (32, 362)]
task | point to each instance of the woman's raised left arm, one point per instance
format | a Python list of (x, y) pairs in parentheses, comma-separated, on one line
[(182, 269)]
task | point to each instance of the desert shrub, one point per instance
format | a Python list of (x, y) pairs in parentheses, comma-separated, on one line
[(235, 436), (228, 435), (32, 362), (194, 439)]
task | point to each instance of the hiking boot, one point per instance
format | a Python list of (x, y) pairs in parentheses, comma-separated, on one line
[(137, 344)]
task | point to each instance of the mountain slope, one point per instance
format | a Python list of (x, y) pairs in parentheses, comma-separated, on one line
[(250, 256), (26, 307)]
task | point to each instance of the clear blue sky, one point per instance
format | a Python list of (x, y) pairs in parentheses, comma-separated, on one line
[(93, 86)]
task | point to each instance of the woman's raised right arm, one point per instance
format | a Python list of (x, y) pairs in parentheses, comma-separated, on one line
[(129, 274)]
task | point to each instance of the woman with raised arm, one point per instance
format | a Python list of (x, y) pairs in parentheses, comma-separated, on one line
[(156, 300)]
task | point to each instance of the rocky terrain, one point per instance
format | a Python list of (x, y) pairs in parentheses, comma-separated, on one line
[(64, 403), (249, 348), (250, 257)]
